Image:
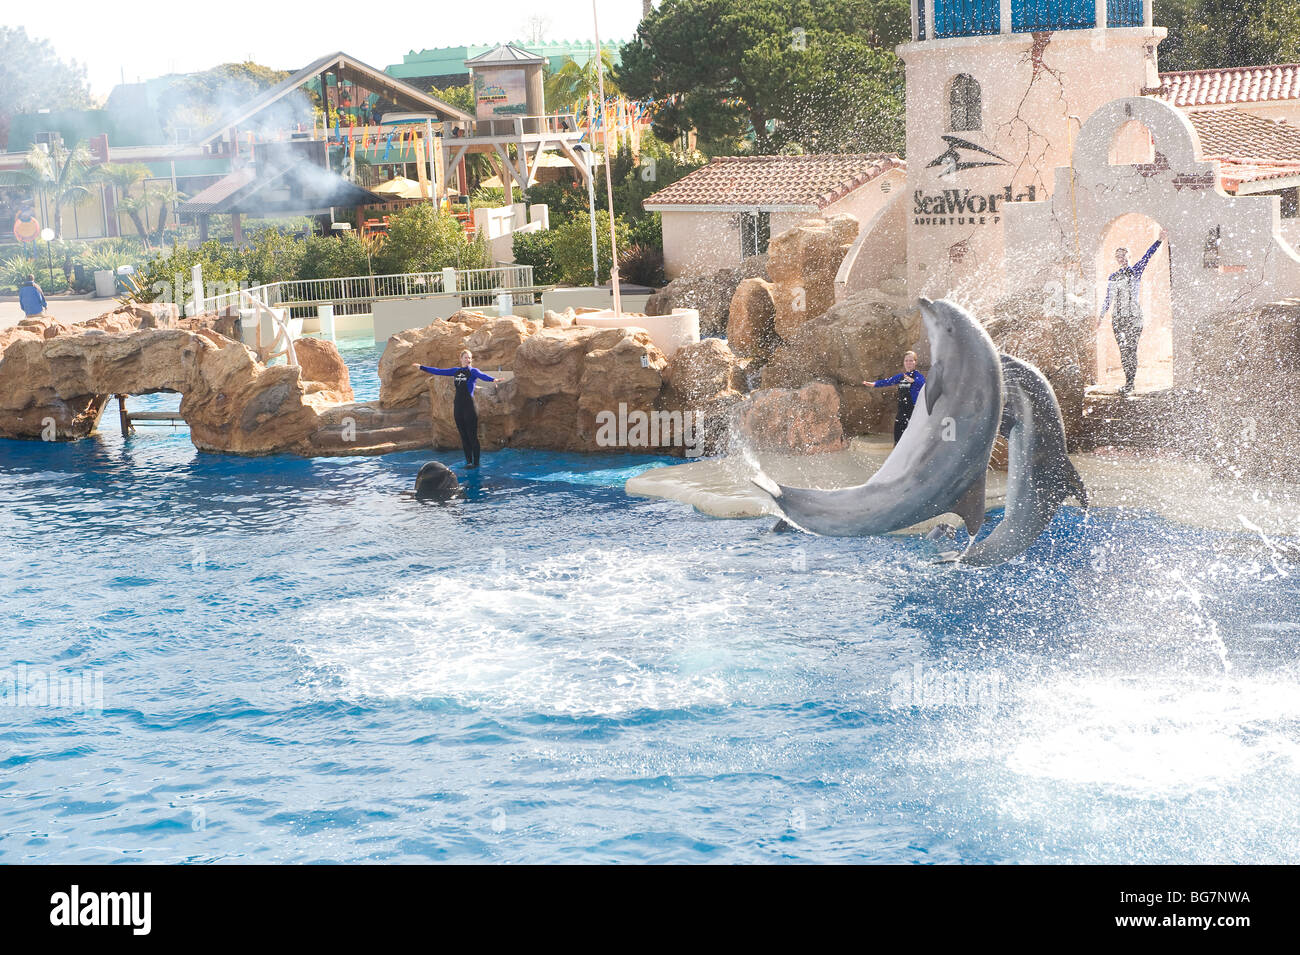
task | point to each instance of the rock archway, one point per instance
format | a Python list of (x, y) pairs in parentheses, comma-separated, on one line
[(56, 388)]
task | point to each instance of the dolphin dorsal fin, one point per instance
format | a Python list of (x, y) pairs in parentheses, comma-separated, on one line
[(970, 506)]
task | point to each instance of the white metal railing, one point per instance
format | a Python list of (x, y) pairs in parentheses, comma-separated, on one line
[(476, 287)]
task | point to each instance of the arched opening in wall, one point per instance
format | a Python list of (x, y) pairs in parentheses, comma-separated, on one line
[(965, 104), (1134, 289), (1132, 145)]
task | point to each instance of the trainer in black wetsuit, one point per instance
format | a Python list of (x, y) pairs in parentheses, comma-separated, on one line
[(909, 382), (463, 409), (1124, 300)]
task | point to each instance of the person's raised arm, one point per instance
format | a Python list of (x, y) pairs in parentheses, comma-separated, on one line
[(480, 376), (435, 371), (1141, 265)]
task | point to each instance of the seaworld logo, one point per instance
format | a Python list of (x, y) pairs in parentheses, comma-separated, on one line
[(952, 161), (959, 207)]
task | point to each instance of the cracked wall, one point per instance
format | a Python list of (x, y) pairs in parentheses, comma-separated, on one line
[(1036, 92)]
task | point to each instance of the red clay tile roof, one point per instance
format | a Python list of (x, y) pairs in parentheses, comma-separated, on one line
[(1244, 84), (1232, 175), (1238, 135), (812, 181)]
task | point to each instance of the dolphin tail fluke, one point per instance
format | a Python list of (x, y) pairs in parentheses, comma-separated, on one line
[(970, 506), (1075, 483)]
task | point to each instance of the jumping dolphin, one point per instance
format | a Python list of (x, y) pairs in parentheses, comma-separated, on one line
[(1039, 475), (938, 465)]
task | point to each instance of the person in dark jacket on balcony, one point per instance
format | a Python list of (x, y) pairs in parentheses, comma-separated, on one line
[(30, 298)]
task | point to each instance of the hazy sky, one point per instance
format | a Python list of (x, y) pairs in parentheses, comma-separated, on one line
[(147, 38)]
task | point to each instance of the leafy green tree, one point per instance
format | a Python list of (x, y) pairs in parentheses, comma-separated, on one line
[(572, 81), (1205, 34), (334, 257), (813, 73), (420, 239), (571, 249), (538, 250), (158, 277), (33, 77), (462, 97), (269, 255), (197, 99)]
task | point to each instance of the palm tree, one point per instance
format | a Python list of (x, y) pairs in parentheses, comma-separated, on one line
[(164, 193), (122, 177), (572, 82), (57, 175)]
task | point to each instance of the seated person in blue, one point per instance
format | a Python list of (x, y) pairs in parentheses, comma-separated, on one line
[(463, 409), (909, 382)]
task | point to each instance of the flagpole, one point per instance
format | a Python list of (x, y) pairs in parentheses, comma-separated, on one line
[(609, 179)]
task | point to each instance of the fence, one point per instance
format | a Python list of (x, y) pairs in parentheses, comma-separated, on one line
[(477, 288)]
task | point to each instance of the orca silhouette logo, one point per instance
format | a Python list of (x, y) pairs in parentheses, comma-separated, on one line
[(951, 161)]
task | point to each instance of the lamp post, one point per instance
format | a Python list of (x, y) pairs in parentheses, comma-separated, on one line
[(48, 236), (581, 150)]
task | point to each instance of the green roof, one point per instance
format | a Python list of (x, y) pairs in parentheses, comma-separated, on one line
[(450, 60)]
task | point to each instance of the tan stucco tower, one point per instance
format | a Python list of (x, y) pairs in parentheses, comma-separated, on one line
[(997, 91)]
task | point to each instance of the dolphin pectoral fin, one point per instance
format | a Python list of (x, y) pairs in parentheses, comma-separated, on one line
[(970, 506), (1075, 483)]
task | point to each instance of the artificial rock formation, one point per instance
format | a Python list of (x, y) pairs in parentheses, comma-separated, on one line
[(859, 339), (802, 263), (323, 369), (566, 377), (1244, 405), (56, 378), (751, 320), (790, 421), (710, 294), (230, 400), (705, 379)]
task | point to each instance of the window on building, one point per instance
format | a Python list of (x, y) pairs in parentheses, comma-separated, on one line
[(1290, 201), (964, 104), (755, 231), (1210, 255), (48, 138)]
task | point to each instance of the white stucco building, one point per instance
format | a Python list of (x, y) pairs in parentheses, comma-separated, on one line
[(720, 214)]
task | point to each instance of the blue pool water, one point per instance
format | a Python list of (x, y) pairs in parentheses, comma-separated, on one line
[(300, 663)]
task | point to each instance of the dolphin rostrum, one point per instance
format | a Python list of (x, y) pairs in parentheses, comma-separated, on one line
[(1039, 475), (939, 463)]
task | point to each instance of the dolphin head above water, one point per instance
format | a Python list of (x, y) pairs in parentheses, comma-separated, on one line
[(939, 463)]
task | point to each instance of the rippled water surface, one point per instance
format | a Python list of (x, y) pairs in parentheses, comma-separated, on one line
[(301, 663)]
